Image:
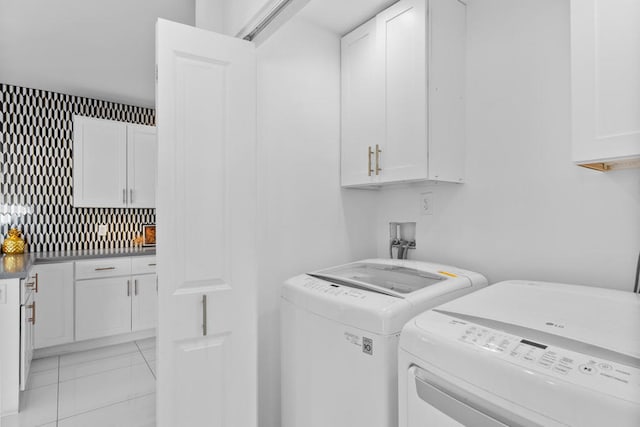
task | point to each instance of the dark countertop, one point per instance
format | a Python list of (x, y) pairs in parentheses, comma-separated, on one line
[(17, 266)]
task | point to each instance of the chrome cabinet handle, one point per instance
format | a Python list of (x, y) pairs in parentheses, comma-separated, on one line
[(135, 287), (124, 195), (131, 195), (204, 315), (128, 288), (369, 154), (378, 152), (152, 265), (105, 268)]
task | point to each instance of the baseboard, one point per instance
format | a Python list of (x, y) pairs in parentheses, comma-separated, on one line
[(59, 350)]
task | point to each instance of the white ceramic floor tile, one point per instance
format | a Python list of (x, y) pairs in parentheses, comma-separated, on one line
[(45, 364), (138, 412), (98, 353), (42, 378), (149, 354), (147, 343), (93, 367), (37, 407), (95, 391)]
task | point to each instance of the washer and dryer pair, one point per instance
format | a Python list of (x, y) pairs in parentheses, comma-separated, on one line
[(516, 353)]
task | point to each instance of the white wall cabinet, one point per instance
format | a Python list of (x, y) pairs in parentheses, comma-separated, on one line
[(114, 164), (142, 159), (403, 95), (54, 300), (605, 41), (115, 296)]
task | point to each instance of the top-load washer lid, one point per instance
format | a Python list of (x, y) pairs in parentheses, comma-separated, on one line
[(388, 279)]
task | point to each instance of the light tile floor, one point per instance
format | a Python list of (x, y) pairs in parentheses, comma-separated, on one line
[(106, 387)]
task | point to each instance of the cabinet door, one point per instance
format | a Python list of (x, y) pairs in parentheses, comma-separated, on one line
[(362, 105), (605, 41), (103, 307), (27, 322), (144, 305), (142, 166), (99, 163), (401, 34), (54, 298)]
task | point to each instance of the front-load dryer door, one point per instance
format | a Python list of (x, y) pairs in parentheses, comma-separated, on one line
[(433, 401)]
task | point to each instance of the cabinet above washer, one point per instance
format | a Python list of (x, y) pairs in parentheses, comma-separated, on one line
[(403, 108)]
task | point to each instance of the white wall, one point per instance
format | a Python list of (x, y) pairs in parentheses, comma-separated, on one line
[(526, 211), (308, 222)]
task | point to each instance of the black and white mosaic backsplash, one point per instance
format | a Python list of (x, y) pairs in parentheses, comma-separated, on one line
[(36, 164)]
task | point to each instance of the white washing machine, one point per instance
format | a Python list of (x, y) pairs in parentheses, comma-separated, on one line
[(340, 331), (523, 353)]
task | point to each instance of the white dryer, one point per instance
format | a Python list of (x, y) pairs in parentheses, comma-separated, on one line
[(521, 353), (340, 331)]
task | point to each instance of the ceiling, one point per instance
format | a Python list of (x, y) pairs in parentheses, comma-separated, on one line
[(342, 16), (102, 49)]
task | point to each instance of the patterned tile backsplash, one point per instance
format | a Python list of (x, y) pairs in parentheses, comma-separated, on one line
[(36, 158)]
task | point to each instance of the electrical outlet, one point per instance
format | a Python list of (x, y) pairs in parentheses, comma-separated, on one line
[(426, 203), (102, 230)]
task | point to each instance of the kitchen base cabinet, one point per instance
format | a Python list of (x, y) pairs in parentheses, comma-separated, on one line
[(115, 296), (144, 303), (103, 307), (54, 299)]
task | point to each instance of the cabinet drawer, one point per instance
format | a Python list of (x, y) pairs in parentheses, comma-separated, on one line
[(143, 264), (106, 267)]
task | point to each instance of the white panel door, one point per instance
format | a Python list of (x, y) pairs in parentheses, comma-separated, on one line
[(605, 70), (362, 105), (99, 163), (103, 307), (206, 216), (142, 166), (144, 304), (402, 43), (54, 298)]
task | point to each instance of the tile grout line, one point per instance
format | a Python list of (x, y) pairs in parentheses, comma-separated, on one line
[(99, 358), (106, 406), (145, 360), (58, 394)]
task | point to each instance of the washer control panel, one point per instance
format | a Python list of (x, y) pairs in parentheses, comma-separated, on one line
[(328, 288), (600, 374)]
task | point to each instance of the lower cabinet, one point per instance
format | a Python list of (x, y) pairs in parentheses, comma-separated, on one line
[(144, 303), (126, 302), (103, 307), (53, 296)]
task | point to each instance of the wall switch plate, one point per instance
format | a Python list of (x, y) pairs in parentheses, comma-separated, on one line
[(102, 230), (426, 203)]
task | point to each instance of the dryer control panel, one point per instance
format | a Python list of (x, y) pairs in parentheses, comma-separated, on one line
[(597, 373)]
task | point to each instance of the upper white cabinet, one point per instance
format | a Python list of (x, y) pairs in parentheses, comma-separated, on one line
[(403, 113), (605, 70), (142, 159), (362, 102), (114, 164)]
